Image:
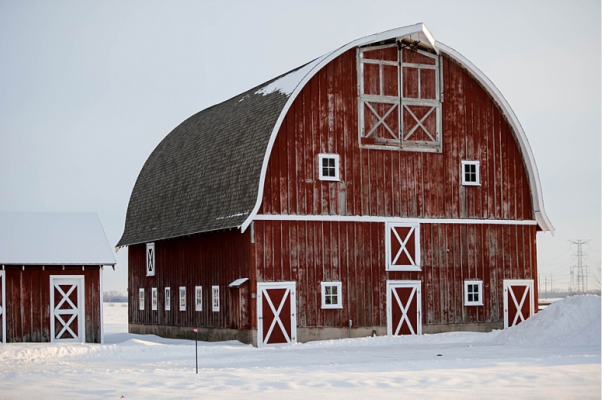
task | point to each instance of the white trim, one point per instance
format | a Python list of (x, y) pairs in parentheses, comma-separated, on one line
[(181, 290), (420, 32), (102, 320), (339, 295), (391, 259), (478, 302), (198, 306), (518, 302), (81, 306), (154, 299), (418, 298), (215, 299), (167, 298), (336, 176), (290, 291), (362, 218), (141, 299), (150, 271), (3, 304)]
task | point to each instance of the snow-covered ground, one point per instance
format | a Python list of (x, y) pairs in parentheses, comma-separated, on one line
[(555, 354)]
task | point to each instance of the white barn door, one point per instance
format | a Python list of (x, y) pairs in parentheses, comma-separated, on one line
[(404, 306), (519, 301), (67, 305), (2, 308), (276, 313)]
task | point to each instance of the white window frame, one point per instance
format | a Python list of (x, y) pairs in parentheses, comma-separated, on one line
[(416, 231), (141, 299), (154, 299), (182, 298), (150, 259), (322, 177), (215, 298), (477, 164), (198, 298), (339, 287), (167, 298), (480, 293)]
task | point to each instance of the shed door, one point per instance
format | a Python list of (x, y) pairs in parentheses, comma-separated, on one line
[(403, 308), (67, 303), (518, 301), (2, 307), (276, 309)]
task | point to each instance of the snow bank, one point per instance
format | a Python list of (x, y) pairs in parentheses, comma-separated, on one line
[(574, 321)]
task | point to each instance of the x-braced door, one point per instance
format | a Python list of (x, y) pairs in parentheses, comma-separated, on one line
[(276, 309), (403, 308), (518, 301), (2, 309), (67, 303)]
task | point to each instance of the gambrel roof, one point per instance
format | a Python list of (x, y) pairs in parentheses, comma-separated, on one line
[(187, 186)]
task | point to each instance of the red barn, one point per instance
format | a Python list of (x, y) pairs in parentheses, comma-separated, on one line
[(384, 188), (51, 277)]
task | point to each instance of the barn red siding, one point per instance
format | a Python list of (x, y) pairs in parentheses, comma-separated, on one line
[(28, 302), (354, 253), (324, 119), (215, 258)]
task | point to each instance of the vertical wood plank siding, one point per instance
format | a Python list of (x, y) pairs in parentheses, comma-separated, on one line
[(28, 302), (215, 258), (324, 119), (353, 253)]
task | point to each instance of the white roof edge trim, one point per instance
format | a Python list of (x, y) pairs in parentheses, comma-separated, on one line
[(537, 195), (424, 35)]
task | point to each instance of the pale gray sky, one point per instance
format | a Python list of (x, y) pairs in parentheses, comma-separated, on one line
[(88, 89)]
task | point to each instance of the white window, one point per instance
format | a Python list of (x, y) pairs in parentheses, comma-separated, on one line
[(470, 173), (473, 293), (150, 259), (402, 244), (141, 299), (215, 298), (331, 295), (167, 299), (198, 294), (154, 298), (182, 298), (328, 167)]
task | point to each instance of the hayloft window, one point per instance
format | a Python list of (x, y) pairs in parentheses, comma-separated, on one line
[(198, 295), (150, 259), (402, 246), (141, 299), (473, 293), (154, 298), (400, 99), (331, 295), (167, 299), (215, 298), (182, 298), (470, 173), (328, 167)]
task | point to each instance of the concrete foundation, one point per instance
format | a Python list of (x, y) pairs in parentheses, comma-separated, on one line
[(480, 327), (248, 336)]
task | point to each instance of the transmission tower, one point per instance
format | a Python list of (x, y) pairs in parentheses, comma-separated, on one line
[(579, 271)]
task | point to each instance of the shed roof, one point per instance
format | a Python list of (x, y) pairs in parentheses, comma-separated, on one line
[(41, 238)]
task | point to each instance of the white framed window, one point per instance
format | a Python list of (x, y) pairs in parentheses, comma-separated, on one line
[(328, 167), (402, 246), (150, 259), (182, 298), (167, 299), (473, 293), (215, 298), (470, 173), (141, 299), (154, 298), (331, 295), (198, 295)]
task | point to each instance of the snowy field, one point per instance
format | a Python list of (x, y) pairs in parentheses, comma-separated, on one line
[(554, 355)]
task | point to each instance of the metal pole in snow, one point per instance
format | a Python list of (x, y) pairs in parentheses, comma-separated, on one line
[(196, 349)]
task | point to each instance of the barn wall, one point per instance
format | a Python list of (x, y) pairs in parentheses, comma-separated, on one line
[(28, 302), (324, 119), (216, 258), (353, 253)]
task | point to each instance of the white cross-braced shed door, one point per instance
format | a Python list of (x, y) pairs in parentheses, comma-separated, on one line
[(404, 304), (276, 313), (67, 304), (519, 301)]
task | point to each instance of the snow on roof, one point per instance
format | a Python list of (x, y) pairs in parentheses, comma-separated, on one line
[(238, 282), (39, 238), (287, 83)]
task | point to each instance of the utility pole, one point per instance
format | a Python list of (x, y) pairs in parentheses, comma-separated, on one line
[(579, 270)]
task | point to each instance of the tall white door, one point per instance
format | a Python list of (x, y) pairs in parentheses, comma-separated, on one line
[(2, 308), (276, 313), (404, 306), (67, 302), (519, 301)]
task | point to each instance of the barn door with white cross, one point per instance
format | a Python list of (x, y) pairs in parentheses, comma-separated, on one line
[(276, 313), (2, 309), (67, 305), (519, 301), (402, 246), (404, 308)]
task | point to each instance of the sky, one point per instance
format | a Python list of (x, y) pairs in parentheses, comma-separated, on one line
[(89, 89)]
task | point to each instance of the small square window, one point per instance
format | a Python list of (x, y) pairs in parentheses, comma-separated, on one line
[(470, 173), (150, 259), (167, 299), (473, 293), (215, 298), (154, 298), (331, 295), (141, 299), (182, 298), (198, 295), (328, 167)]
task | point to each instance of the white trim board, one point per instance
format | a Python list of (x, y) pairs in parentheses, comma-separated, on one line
[(362, 218), (3, 304)]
